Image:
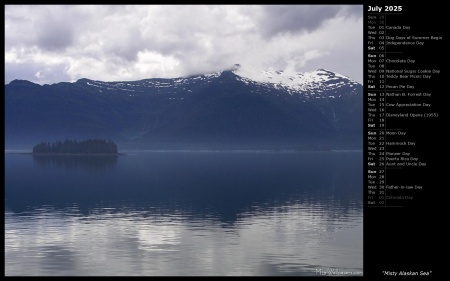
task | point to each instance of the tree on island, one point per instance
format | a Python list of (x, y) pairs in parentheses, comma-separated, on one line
[(90, 146)]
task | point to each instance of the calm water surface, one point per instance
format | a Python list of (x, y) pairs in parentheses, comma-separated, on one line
[(185, 213)]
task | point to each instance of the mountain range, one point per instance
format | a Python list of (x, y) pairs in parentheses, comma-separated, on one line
[(238, 108)]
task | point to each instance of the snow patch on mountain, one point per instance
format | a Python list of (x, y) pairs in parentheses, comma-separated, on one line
[(297, 81)]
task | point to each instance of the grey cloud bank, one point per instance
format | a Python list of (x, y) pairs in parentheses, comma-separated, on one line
[(50, 44)]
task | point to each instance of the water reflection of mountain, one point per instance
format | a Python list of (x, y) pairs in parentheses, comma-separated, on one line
[(73, 162), (222, 187)]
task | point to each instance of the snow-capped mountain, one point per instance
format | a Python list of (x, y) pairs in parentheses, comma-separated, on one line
[(308, 82), (227, 108)]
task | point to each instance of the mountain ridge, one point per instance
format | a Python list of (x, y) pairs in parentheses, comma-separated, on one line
[(220, 109)]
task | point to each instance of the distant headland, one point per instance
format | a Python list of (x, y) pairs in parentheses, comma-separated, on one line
[(74, 147)]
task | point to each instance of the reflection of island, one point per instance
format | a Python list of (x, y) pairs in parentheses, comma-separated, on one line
[(71, 147), (73, 161)]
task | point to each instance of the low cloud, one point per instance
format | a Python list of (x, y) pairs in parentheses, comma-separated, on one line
[(117, 42)]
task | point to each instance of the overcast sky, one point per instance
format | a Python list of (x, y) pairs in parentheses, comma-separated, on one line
[(51, 44)]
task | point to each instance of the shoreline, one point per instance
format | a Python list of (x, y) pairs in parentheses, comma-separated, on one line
[(67, 154), (183, 151)]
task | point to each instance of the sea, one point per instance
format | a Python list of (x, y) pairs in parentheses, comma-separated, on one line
[(185, 213)]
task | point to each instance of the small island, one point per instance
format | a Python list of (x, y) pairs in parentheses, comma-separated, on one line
[(74, 147)]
